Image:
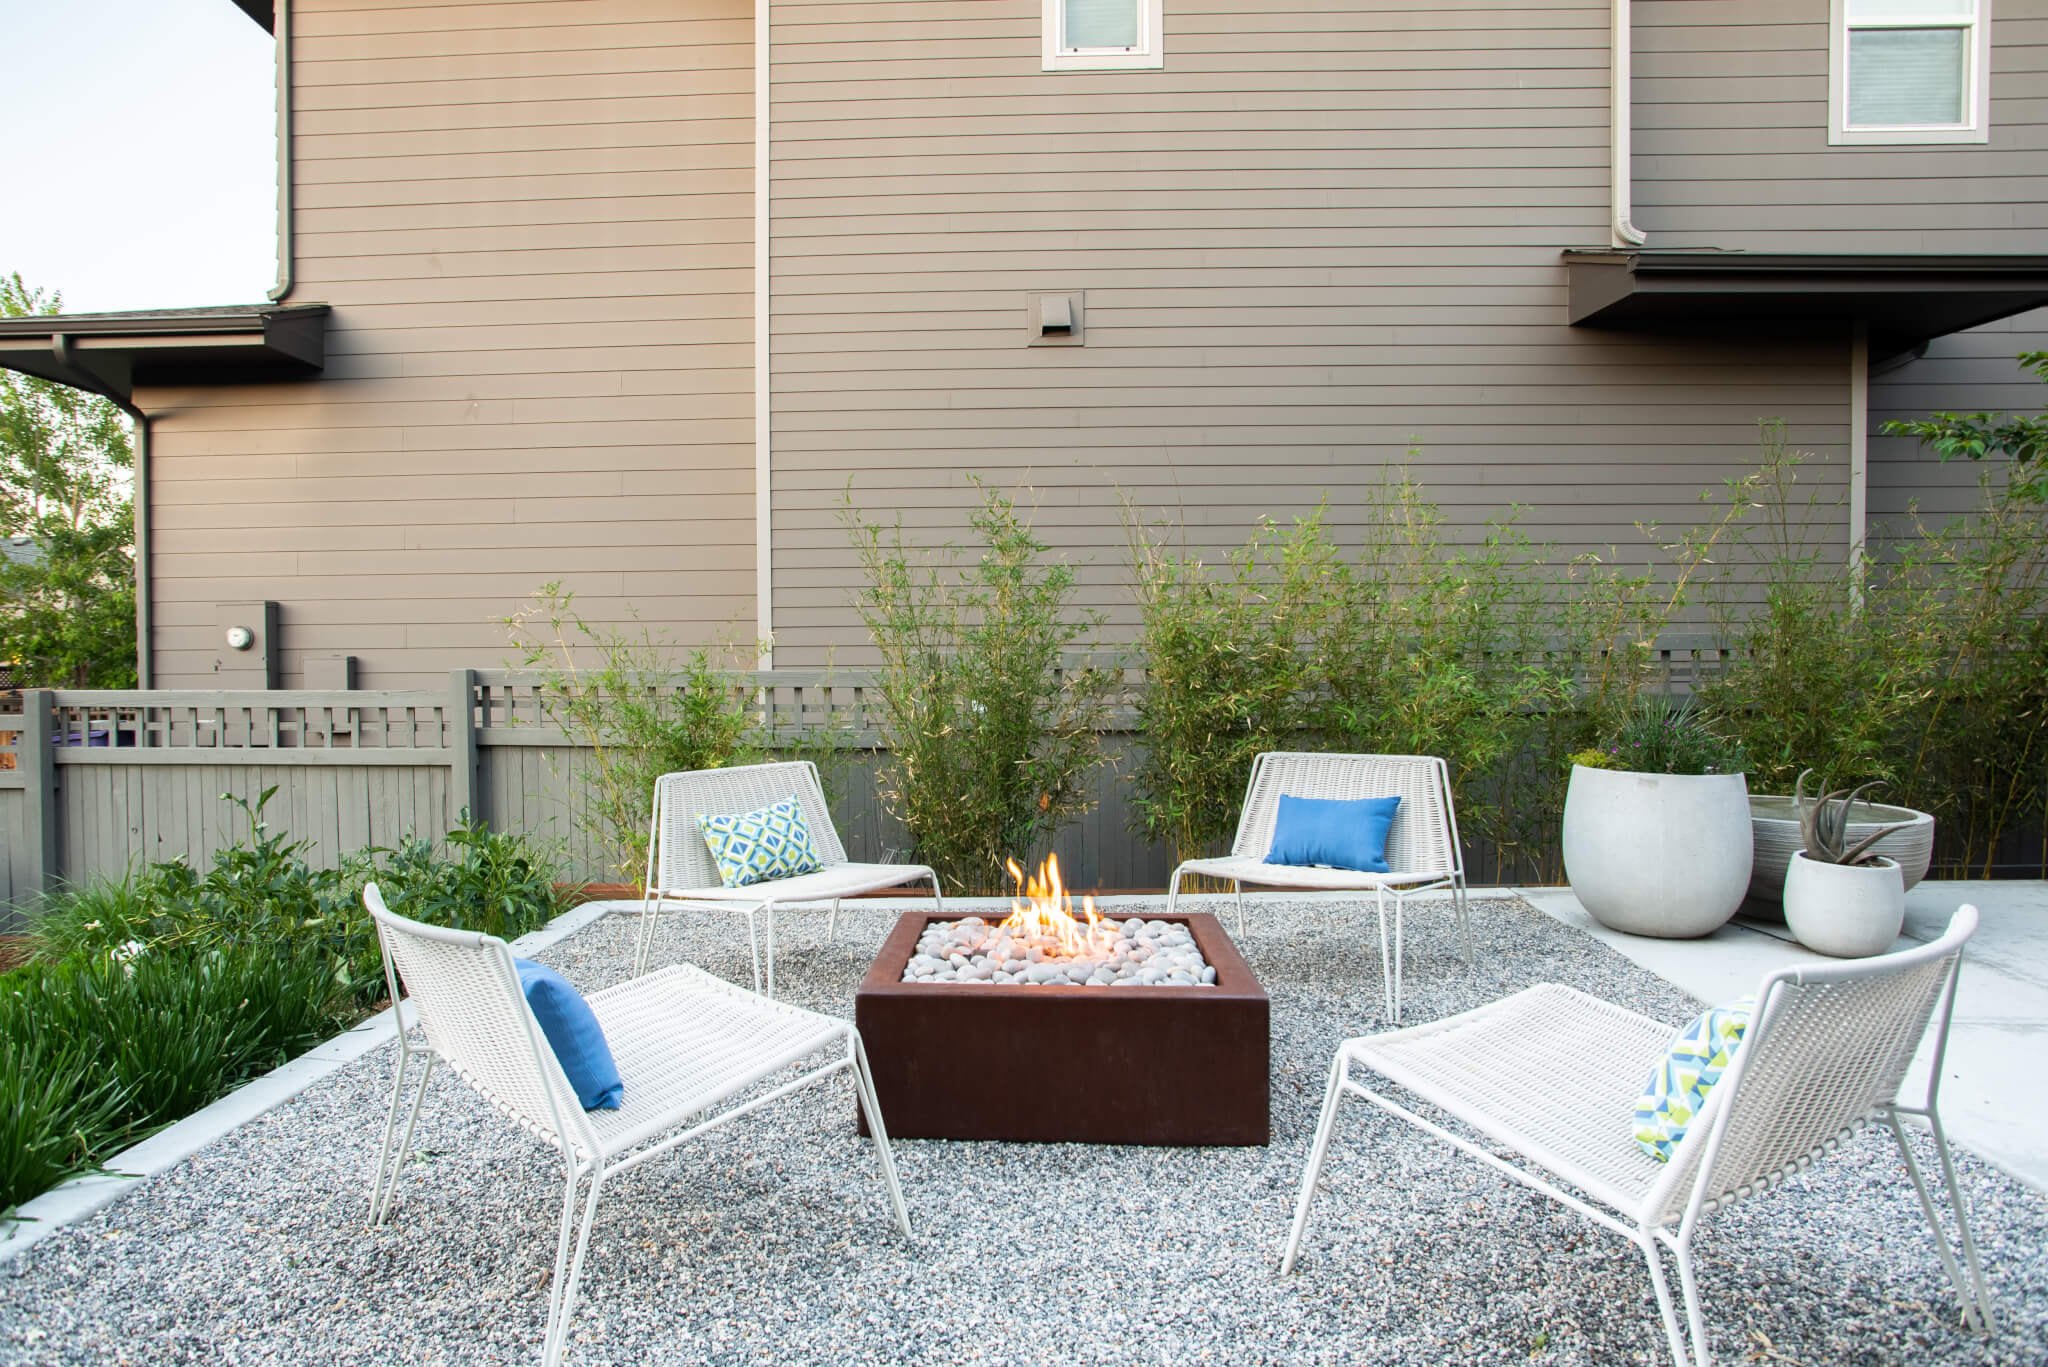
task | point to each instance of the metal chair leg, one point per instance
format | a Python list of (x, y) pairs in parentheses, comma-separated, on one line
[(1400, 905), (1666, 1308), (562, 1295), (832, 922), (1975, 1295), (754, 945), (938, 897), (1386, 960), (1172, 892), (390, 1160), (1318, 1155), (871, 1107), (1237, 887)]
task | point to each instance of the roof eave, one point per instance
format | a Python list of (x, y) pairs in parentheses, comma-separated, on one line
[(113, 353), (1904, 300)]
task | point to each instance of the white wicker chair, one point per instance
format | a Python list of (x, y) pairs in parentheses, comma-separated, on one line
[(685, 1042), (680, 867), (1553, 1075), (1423, 853)]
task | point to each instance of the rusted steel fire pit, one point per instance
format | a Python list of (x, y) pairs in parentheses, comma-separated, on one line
[(1128, 1064)]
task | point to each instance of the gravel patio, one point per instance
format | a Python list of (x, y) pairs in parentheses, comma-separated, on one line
[(769, 1241)]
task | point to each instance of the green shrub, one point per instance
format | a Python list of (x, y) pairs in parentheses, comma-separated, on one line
[(1976, 752), (989, 738), (58, 1111), (150, 997), (642, 707), (105, 1048), (1824, 664), (1238, 660)]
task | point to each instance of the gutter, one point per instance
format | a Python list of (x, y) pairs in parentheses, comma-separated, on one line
[(1620, 154), (764, 417), (82, 378), (282, 29)]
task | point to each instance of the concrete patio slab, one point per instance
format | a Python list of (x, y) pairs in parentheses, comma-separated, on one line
[(1991, 1098)]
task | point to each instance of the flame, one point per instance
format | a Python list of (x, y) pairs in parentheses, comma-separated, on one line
[(1043, 906)]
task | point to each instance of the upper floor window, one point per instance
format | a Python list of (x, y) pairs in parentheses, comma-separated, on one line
[(1103, 35), (1902, 71)]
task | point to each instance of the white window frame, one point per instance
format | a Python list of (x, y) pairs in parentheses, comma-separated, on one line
[(1148, 55), (1976, 81)]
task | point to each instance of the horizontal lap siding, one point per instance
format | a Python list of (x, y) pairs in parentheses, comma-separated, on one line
[(1731, 141), (534, 224), (1326, 229)]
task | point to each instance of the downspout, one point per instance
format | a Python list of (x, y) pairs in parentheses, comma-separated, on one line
[(764, 432), (81, 378), (1619, 121), (1859, 457), (281, 28)]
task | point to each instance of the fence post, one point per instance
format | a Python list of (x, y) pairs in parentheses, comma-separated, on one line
[(463, 788), (37, 867)]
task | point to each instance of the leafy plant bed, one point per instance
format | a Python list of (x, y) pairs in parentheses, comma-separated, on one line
[(144, 1000)]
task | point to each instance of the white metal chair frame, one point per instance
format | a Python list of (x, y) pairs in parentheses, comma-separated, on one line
[(1423, 852), (466, 991), (1824, 1056), (680, 868)]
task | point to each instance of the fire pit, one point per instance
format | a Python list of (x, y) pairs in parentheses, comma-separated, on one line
[(1051, 1049)]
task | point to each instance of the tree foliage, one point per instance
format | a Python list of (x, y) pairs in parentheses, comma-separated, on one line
[(1974, 436), (67, 602)]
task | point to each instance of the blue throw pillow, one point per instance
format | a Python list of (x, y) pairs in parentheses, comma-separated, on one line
[(573, 1033), (1335, 833)]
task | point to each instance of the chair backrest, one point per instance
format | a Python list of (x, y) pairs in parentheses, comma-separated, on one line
[(1828, 1046), (466, 991), (679, 858), (1424, 837)]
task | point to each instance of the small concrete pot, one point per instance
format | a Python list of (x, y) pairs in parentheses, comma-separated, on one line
[(1664, 855), (1851, 911), (1775, 819)]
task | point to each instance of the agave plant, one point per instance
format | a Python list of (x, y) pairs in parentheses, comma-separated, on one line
[(1824, 823)]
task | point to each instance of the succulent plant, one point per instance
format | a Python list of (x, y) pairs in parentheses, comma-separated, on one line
[(1824, 823)]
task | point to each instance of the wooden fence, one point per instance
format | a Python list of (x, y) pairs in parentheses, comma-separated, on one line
[(94, 783)]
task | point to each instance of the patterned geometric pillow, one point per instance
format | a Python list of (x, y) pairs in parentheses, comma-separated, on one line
[(753, 847), (1692, 1065)]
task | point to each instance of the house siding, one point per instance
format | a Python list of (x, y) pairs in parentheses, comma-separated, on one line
[(1325, 230), (534, 224), (1731, 138)]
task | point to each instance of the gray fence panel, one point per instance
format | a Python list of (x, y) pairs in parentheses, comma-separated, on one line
[(12, 803)]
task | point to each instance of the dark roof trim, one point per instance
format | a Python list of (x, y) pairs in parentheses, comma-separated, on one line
[(263, 12), (1905, 301), (113, 353)]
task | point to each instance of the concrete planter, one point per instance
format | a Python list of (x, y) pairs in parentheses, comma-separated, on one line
[(1775, 820), (1665, 855), (1848, 910)]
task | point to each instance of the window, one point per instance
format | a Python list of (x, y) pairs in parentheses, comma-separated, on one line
[(1103, 35), (1903, 71)]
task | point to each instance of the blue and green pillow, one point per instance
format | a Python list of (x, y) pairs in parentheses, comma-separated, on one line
[(1692, 1064), (755, 847)]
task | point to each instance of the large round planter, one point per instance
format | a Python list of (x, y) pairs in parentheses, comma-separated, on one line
[(1848, 910), (1774, 820), (1666, 855)]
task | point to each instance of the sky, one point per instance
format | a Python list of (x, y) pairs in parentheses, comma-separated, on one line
[(141, 153)]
